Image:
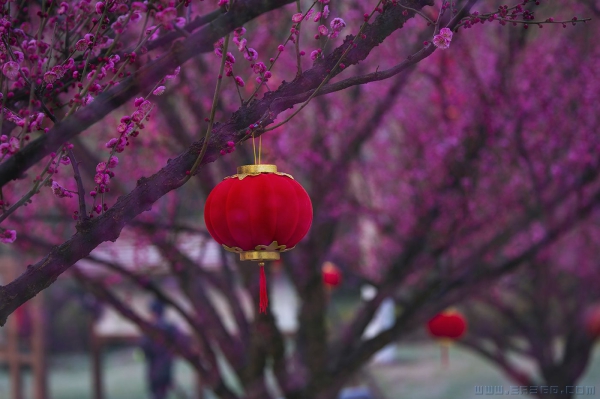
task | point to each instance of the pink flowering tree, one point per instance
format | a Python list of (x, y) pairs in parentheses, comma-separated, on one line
[(450, 191), (544, 314)]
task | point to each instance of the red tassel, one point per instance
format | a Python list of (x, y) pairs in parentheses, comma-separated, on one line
[(264, 299)]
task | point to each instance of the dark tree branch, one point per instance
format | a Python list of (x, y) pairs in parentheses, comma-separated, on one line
[(197, 43), (108, 226)]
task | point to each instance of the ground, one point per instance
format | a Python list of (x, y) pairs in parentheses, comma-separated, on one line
[(415, 373)]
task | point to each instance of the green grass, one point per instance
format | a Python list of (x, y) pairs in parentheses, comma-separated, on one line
[(416, 373)]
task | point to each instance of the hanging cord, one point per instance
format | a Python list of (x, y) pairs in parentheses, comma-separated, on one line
[(259, 148), (254, 148)]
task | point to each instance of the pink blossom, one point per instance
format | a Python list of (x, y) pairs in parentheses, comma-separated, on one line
[(441, 42), (60, 191), (102, 178), (180, 22), (63, 8), (8, 236), (14, 145), (81, 45), (114, 161), (230, 58), (101, 167), (297, 17), (11, 70), (138, 6), (325, 12), (138, 101), (152, 32), (146, 106), (280, 48), (323, 31), (447, 33), (228, 69), (251, 54), (337, 24), (239, 31), (122, 127), (99, 7), (137, 116), (239, 81), (19, 56), (174, 75), (317, 16), (222, 3), (309, 14), (10, 147), (167, 15), (123, 8), (59, 71), (136, 16), (111, 143), (314, 55), (87, 99), (50, 77), (159, 90), (259, 67), (240, 43)]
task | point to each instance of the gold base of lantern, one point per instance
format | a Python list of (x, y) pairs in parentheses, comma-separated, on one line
[(259, 256), (261, 253)]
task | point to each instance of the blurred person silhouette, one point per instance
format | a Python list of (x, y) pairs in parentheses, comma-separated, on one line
[(159, 358)]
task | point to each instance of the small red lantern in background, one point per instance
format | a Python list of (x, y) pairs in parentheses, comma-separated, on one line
[(592, 321), (258, 213), (332, 277), (447, 326)]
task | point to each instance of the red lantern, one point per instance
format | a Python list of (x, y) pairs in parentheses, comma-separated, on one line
[(450, 325), (332, 277), (592, 321), (447, 326), (258, 213)]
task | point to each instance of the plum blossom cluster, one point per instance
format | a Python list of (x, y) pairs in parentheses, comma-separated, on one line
[(165, 18), (249, 54), (443, 39), (515, 15), (9, 146), (56, 160), (103, 175), (129, 127), (60, 191)]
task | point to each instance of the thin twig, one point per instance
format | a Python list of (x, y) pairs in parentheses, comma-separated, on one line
[(80, 189), (330, 74), (213, 110)]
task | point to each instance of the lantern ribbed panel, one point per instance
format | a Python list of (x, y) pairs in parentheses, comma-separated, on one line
[(258, 210), (447, 326)]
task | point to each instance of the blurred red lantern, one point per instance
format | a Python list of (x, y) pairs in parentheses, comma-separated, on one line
[(447, 326), (258, 213), (450, 325), (592, 321), (332, 277)]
